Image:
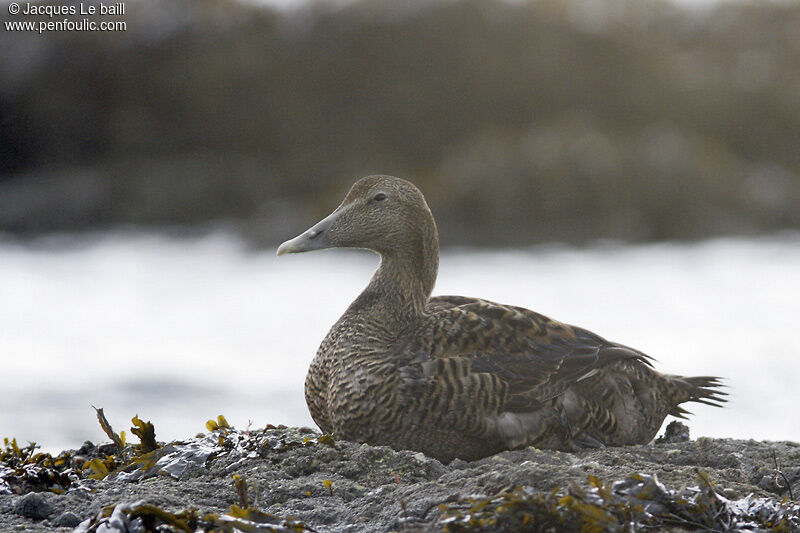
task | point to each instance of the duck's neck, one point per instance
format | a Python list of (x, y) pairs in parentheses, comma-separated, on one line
[(400, 288)]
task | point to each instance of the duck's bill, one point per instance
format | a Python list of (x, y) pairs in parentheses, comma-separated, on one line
[(315, 238)]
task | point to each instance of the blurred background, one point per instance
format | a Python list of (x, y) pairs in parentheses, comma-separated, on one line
[(630, 166)]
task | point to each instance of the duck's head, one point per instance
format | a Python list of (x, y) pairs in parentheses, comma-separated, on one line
[(384, 214)]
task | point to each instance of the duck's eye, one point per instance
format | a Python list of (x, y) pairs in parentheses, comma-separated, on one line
[(379, 197)]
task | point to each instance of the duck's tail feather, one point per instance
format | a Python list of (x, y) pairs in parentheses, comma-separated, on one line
[(699, 389)]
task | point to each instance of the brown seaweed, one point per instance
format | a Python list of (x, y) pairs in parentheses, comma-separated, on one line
[(635, 503), (142, 516), (23, 469)]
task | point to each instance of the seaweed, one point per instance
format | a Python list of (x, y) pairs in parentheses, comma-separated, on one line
[(142, 516), (146, 433), (240, 484), (175, 458), (119, 440), (778, 474), (638, 502), (219, 423), (123, 454), (23, 469)]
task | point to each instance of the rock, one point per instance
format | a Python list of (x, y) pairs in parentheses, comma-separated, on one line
[(344, 486), (33, 506), (67, 519), (674, 432)]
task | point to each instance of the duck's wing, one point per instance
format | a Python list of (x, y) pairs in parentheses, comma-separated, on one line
[(536, 356), (487, 361)]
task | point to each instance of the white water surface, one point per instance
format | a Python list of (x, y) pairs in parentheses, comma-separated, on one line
[(179, 330)]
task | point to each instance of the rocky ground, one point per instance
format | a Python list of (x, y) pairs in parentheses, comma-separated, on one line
[(329, 486)]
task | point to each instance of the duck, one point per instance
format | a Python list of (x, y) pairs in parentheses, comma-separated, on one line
[(456, 377)]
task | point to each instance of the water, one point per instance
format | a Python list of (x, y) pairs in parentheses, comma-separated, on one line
[(179, 330)]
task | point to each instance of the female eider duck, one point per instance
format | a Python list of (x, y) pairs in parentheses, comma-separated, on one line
[(457, 377)]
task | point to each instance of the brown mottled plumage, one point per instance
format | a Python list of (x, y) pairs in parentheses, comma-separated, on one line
[(462, 377)]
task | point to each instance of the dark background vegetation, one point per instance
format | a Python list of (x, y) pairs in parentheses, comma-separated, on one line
[(522, 122)]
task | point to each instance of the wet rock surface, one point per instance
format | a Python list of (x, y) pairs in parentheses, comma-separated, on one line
[(341, 486)]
